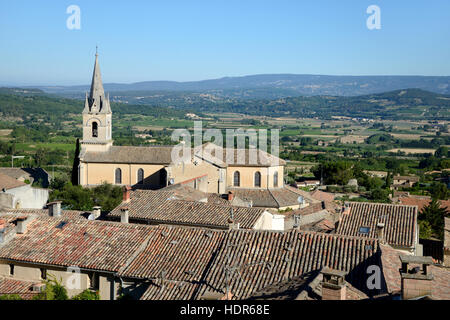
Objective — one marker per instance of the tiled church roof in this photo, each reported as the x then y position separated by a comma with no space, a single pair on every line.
138,155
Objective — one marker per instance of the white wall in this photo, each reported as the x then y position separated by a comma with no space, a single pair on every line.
26,197
269,221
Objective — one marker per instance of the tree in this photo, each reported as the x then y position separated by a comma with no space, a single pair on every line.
76,163
380,195
441,152
39,157
388,181
434,215
334,172
426,232
87,295
54,290
439,191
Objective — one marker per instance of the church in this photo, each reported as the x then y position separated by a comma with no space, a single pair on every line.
152,166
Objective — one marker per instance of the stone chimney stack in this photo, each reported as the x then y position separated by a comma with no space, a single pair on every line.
124,212
230,196
231,223
346,209
54,208
21,226
126,194
416,282
333,284
380,232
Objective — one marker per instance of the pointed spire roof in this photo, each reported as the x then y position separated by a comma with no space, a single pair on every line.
97,101
97,84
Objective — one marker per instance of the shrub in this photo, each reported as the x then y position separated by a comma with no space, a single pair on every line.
87,295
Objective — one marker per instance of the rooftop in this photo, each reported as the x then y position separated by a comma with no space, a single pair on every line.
22,288
273,198
125,154
400,222
166,207
97,245
7,182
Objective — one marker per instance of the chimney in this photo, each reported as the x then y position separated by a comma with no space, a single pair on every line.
124,215
333,284
231,224
126,194
346,209
54,208
380,232
230,196
416,282
21,226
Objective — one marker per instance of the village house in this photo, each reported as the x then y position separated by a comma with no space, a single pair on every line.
17,194
28,175
404,182
183,205
395,225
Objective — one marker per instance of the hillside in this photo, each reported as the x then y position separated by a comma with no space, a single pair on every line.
272,86
399,104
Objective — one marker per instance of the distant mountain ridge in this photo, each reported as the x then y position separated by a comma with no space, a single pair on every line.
279,85
412,104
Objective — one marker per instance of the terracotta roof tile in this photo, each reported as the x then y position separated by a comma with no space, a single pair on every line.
96,245
391,265
163,207
22,288
125,154
272,198
7,183
400,222
422,202
322,196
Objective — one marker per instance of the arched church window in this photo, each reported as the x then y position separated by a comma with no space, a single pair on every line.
257,179
275,179
94,129
237,179
118,176
140,176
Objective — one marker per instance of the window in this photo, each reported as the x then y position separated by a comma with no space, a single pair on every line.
43,274
94,280
257,179
237,179
364,230
118,176
140,176
11,269
61,225
94,129
275,179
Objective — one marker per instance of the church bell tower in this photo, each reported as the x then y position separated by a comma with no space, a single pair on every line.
97,116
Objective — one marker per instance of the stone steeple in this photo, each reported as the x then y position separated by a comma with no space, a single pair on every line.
97,102
97,116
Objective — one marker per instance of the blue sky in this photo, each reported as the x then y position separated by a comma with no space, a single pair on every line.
196,40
